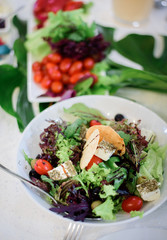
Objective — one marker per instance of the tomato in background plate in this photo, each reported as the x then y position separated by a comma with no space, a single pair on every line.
93,160
65,64
71,5
42,167
94,122
57,87
76,67
36,66
67,71
42,7
76,77
44,60
49,65
55,57
65,79
132,203
46,82
88,63
38,76
55,74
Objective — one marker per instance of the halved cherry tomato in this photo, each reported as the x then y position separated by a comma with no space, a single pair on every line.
75,77
57,87
132,203
46,82
36,66
42,167
88,63
55,57
94,122
76,67
73,5
65,65
93,160
38,77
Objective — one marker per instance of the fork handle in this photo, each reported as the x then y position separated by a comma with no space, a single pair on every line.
15,175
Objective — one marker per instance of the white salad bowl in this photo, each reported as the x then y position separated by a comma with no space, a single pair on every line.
109,106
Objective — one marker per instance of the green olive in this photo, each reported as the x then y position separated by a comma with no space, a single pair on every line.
33,163
95,204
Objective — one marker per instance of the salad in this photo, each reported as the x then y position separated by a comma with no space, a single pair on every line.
66,51
96,167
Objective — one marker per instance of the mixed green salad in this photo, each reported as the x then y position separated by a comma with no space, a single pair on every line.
96,167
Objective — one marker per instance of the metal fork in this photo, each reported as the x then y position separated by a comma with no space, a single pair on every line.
44,195
73,232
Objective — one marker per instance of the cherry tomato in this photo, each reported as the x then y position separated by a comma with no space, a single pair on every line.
65,79
36,66
86,72
46,82
73,5
76,67
55,74
57,87
65,65
42,167
132,203
44,60
44,70
55,57
94,122
49,65
75,77
93,160
38,77
88,63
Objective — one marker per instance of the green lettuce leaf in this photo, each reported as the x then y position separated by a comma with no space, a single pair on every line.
93,176
107,190
105,210
82,111
152,166
73,128
137,214
83,88
126,137
62,25
50,181
27,158
64,147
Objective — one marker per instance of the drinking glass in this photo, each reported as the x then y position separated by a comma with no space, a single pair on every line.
133,12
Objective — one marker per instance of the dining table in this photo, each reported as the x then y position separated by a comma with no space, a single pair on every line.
21,218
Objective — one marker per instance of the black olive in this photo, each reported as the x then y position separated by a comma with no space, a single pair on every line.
34,174
94,193
118,117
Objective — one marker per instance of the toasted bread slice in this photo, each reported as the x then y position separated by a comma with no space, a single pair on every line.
109,135
90,148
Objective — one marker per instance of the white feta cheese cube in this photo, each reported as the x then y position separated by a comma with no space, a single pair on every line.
63,171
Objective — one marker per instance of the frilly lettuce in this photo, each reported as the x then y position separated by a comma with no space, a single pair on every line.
105,210
152,166
108,190
59,26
